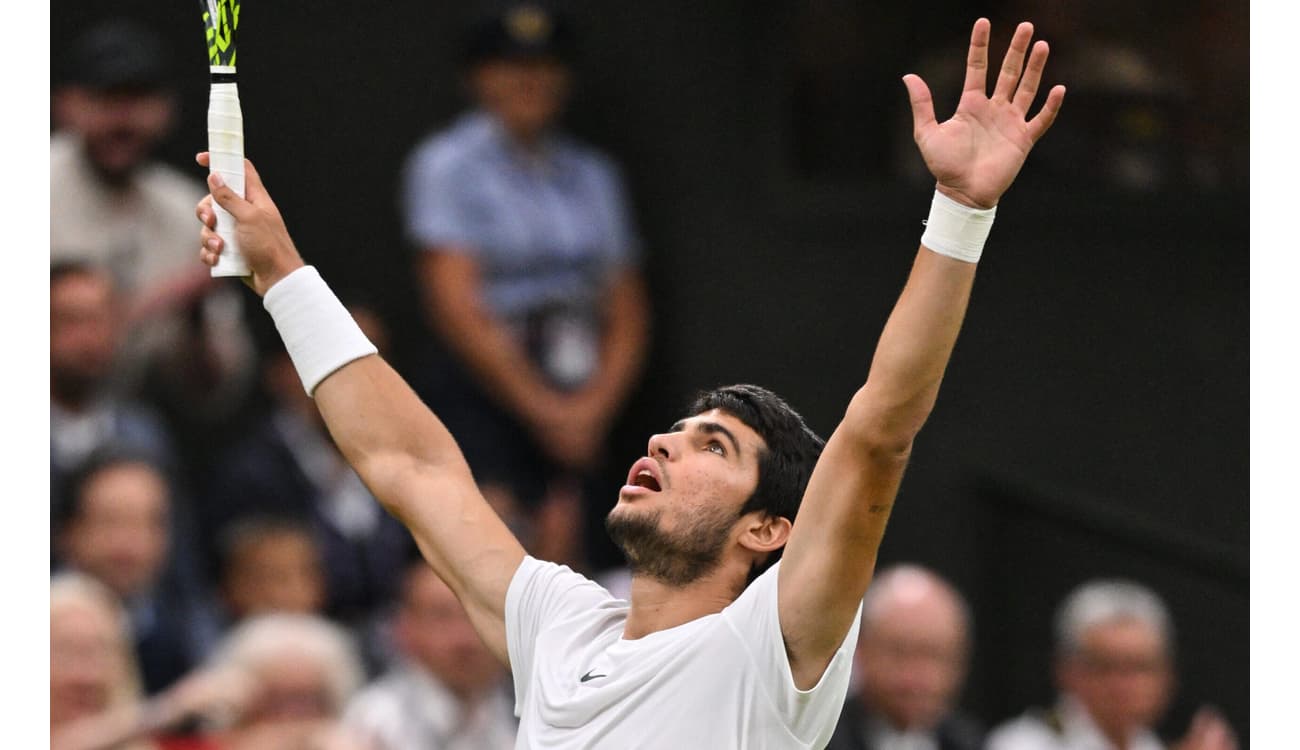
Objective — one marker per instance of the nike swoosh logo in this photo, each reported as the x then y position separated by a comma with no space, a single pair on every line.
590,676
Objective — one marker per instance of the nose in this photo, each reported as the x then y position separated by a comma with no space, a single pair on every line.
660,446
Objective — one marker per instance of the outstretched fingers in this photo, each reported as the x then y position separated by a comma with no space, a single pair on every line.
1028,88
1013,62
1047,115
977,59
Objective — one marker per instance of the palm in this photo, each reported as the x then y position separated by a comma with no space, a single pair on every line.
975,155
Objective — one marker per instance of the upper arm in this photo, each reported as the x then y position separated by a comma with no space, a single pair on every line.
829,559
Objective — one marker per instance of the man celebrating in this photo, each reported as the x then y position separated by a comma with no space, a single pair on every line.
719,645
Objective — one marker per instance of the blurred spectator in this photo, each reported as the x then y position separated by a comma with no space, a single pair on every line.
530,269
302,671
289,467
85,413
111,204
116,527
448,692
92,667
270,564
1115,674
911,661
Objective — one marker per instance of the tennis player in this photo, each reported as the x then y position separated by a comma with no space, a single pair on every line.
720,645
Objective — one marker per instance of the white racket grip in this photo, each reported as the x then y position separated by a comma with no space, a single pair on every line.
226,154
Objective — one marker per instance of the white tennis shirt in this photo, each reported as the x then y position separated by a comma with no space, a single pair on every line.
718,682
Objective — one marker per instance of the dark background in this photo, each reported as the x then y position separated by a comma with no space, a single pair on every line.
1094,418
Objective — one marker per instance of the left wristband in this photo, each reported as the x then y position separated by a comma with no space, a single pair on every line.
318,331
956,230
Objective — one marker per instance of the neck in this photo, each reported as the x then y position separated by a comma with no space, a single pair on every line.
657,606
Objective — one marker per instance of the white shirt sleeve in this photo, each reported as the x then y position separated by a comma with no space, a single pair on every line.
540,593
811,714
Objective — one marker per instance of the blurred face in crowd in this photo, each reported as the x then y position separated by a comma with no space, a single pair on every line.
527,96
83,334
119,534
1122,675
912,654
88,660
120,128
279,571
434,630
293,687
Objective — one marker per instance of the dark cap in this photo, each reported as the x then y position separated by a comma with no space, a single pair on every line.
117,55
522,31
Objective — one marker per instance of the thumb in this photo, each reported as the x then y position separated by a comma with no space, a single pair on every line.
922,103
228,199
254,190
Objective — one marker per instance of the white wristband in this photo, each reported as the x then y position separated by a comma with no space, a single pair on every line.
955,230
317,329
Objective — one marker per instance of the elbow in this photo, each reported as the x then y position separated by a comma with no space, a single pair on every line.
885,434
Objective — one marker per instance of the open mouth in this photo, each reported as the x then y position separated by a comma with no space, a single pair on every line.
644,479
645,474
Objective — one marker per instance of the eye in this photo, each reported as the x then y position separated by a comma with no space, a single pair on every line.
716,447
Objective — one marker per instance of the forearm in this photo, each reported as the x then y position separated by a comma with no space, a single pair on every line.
373,415
477,338
623,344
912,353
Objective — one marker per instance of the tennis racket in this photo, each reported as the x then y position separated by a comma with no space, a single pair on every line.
225,124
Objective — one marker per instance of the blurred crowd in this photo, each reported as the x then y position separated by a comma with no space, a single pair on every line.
221,578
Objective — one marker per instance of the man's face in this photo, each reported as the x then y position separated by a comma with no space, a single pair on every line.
680,508
1121,674
434,629
120,535
120,128
527,95
912,657
86,661
292,686
83,334
279,572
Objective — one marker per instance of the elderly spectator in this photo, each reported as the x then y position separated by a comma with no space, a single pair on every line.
448,691
93,673
910,663
1115,675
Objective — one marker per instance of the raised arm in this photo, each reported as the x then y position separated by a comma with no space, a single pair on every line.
974,157
398,447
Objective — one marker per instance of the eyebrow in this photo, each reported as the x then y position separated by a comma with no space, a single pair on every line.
709,428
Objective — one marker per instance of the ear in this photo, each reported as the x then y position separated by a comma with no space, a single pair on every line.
764,533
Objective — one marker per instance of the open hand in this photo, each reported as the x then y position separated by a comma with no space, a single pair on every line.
977,153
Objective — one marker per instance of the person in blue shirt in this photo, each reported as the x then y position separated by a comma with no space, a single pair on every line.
530,269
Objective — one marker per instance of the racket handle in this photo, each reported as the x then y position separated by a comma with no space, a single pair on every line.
226,153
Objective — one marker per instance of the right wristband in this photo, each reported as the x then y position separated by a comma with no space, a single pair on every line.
955,230
319,333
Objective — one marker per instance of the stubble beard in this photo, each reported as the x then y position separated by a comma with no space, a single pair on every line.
676,560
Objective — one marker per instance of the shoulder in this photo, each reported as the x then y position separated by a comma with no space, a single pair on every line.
64,151
557,580
591,160
456,148
1033,730
165,183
